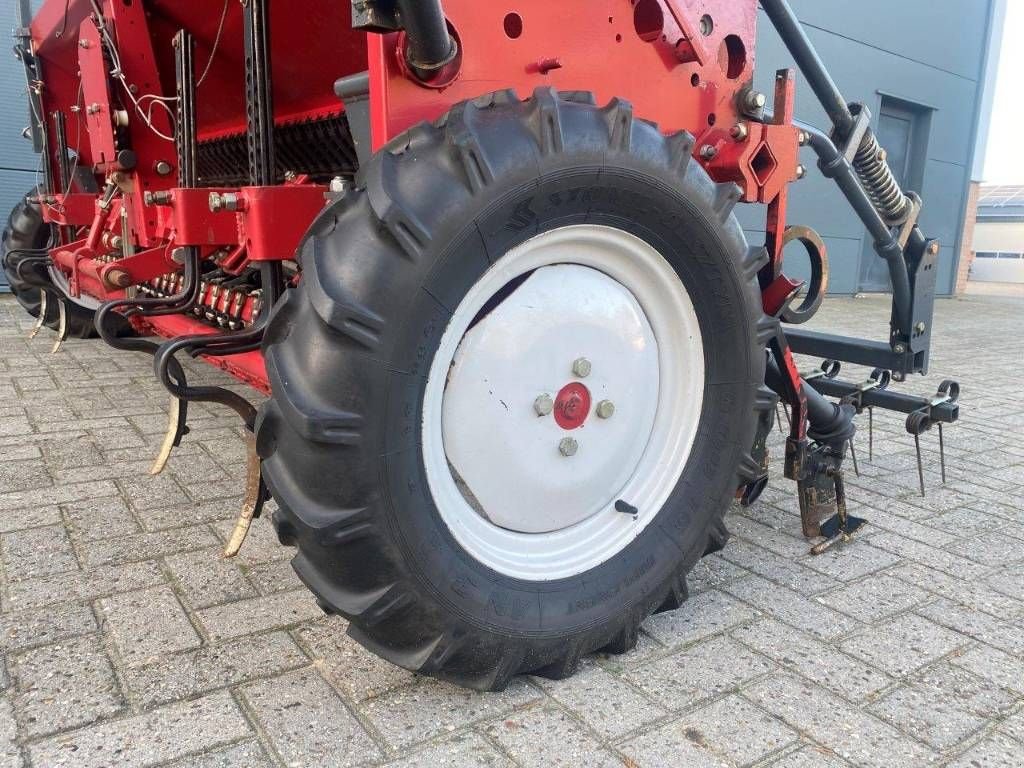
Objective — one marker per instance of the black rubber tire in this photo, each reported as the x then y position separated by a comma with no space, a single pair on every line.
26,230
348,352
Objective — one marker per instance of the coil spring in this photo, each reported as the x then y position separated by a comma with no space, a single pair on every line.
872,168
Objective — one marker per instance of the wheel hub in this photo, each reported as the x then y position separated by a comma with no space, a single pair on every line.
563,401
519,469
572,405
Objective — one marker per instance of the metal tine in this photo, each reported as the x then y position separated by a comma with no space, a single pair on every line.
62,326
778,417
853,454
173,421
42,315
942,454
871,433
920,467
253,500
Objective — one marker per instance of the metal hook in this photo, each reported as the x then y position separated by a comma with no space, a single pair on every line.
62,326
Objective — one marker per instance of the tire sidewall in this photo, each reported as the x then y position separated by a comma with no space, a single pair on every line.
705,256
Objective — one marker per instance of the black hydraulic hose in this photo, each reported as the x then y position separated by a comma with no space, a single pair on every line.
827,422
430,46
221,344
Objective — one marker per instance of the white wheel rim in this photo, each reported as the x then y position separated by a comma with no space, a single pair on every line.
587,291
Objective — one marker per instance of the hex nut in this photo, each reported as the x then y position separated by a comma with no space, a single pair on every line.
605,409
568,446
581,367
543,405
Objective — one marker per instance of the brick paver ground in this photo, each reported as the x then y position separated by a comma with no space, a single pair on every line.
127,641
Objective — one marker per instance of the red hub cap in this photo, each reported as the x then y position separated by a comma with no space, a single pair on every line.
572,405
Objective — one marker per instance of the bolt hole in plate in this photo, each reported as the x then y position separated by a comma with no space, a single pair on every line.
513,25
501,482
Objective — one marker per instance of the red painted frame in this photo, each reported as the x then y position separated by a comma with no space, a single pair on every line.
682,63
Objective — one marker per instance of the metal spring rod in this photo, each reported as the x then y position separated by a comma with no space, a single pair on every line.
879,182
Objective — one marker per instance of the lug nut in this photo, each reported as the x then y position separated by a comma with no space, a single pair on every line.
543,405
605,409
581,367
568,446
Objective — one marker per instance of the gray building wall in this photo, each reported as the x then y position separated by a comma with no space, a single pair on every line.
18,163
922,52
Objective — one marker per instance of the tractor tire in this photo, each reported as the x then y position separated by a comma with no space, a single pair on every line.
26,230
364,380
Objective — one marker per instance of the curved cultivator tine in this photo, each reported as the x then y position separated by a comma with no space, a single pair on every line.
42,315
62,326
255,495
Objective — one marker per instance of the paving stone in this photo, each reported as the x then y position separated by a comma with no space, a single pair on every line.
873,598
307,723
702,671
147,624
903,645
26,629
203,669
792,608
994,665
37,552
857,737
24,475
463,750
943,705
932,557
811,756
608,704
431,708
80,586
147,546
996,751
269,578
62,686
148,739
847,564
246,755
1013,726
93,519
769,565
10,754
814,659
545,734
703,615
353,670
992,549
714,571
207,579
976,624
59,494
258,614
728,732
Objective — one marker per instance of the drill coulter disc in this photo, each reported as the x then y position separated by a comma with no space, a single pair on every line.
506,425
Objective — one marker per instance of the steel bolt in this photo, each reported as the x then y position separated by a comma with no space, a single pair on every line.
739,131
163,168
543,405
216,202
803,138
581,367
899,349
801,171
708,152
605,409
920,327
755,101
568,446
933,247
